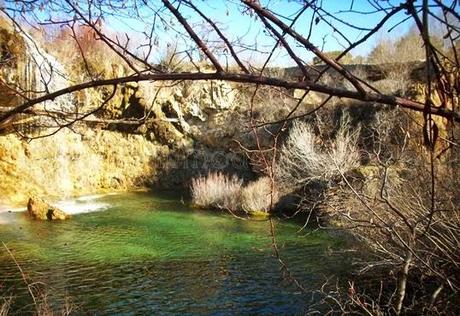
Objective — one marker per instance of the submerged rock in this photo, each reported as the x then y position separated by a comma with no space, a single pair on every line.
258,215
40,209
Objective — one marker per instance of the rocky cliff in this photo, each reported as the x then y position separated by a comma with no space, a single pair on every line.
146,135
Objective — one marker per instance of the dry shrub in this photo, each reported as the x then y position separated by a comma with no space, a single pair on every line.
396,56
5,306
264,104
305,157
217,190
259,196
389,210
221,191
409,47
411,235
87,58
409,238
87,55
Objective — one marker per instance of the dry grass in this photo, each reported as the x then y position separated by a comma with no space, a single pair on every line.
305,157
42,307
86,58
217,190
259,196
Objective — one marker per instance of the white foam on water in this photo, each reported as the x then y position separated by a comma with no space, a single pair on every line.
84,204
81,206
93,197
11,209
6,216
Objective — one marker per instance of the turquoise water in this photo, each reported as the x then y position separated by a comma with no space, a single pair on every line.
149,254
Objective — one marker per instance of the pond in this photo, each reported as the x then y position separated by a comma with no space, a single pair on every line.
142,253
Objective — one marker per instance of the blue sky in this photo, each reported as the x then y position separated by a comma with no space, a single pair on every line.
247,30
244,28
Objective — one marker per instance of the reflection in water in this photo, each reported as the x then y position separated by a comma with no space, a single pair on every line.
147,254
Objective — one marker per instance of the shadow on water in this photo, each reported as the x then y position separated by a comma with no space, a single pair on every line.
152,254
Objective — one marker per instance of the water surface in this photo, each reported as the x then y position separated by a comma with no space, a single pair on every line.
150,254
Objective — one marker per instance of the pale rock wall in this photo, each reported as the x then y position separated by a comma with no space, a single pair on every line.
69,164
206,112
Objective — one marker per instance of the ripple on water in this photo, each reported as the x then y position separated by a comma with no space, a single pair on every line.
149,255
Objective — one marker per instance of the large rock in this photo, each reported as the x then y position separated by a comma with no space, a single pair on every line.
39,209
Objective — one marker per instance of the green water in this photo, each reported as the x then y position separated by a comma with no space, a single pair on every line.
147,254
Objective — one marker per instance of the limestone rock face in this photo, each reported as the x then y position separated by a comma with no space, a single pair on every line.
39,209
199,111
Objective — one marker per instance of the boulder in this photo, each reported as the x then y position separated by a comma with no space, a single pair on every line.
40,209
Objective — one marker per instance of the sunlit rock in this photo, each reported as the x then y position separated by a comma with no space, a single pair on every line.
40,209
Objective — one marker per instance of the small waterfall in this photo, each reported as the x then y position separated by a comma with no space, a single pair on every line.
45,74
48,73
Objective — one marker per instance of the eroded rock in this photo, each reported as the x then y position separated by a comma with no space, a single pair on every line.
40,209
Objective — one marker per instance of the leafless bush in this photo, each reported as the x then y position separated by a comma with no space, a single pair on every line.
394,58
410,236
387,138
389,209
305,157
217,190
259,196
411,233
